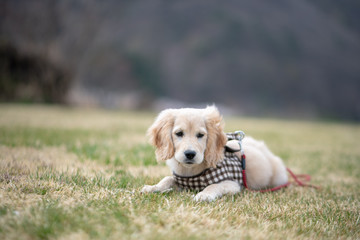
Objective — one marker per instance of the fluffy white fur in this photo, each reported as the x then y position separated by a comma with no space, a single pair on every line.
176,132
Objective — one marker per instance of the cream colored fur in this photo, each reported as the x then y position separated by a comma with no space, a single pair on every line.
176,131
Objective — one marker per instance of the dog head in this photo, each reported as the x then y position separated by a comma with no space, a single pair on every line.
188,135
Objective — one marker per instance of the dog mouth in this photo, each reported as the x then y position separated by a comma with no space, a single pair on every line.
189,162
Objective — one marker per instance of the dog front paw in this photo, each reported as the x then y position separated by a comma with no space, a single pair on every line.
203,196
149,189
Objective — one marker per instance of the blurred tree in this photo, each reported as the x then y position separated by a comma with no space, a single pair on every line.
30,78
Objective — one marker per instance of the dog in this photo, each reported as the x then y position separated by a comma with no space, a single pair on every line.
192,142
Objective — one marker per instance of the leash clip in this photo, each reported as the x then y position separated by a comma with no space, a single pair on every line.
239,135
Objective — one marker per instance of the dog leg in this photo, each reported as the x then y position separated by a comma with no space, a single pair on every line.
211,192
165,184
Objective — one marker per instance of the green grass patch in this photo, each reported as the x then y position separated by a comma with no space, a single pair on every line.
49,219
119,180
101,146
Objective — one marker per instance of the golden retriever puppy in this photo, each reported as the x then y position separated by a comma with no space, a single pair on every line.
192,143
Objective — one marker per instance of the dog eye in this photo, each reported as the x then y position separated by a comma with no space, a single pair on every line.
179,134
199,135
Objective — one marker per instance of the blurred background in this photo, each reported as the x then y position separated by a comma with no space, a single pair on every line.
286,58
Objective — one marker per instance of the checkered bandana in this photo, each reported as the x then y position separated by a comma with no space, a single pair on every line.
230,168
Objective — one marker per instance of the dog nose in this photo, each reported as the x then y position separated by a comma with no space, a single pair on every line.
189,154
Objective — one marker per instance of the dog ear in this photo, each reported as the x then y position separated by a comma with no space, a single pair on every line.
216,137
160,135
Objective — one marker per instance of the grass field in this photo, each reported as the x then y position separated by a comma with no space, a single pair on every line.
76,174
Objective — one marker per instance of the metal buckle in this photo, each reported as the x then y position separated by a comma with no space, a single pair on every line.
239,135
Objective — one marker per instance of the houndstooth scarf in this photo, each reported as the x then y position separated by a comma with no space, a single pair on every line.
230,168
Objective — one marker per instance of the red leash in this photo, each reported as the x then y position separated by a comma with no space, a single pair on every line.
299,179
